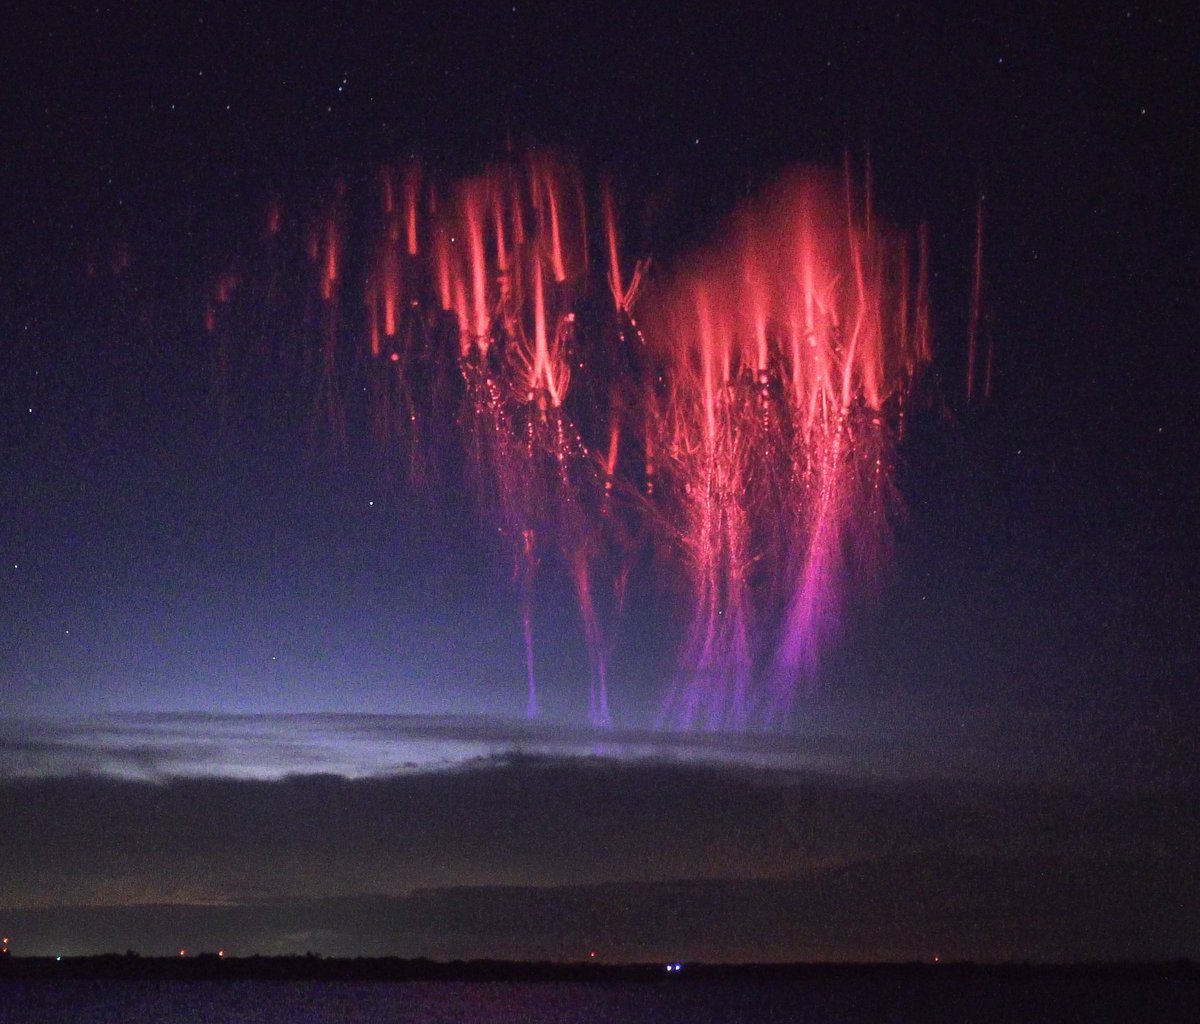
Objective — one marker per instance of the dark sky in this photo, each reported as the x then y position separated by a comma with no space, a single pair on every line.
256,692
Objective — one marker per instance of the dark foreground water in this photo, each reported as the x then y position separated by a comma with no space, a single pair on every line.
668,1001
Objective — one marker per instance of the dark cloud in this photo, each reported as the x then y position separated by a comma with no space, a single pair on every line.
547,856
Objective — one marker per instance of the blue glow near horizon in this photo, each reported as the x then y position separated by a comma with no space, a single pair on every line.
154,746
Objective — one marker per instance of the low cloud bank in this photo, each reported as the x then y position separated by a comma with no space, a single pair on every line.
538,856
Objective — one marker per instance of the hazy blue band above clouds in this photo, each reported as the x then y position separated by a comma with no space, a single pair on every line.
267,746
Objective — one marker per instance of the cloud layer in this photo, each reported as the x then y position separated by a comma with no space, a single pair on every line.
160,746
539,856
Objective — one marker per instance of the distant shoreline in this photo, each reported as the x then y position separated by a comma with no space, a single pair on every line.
211,967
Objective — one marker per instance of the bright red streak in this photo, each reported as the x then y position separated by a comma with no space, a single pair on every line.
332,246
387,197
473,206
614,260
412,185
442,258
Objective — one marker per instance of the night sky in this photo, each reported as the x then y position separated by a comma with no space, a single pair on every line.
260,693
